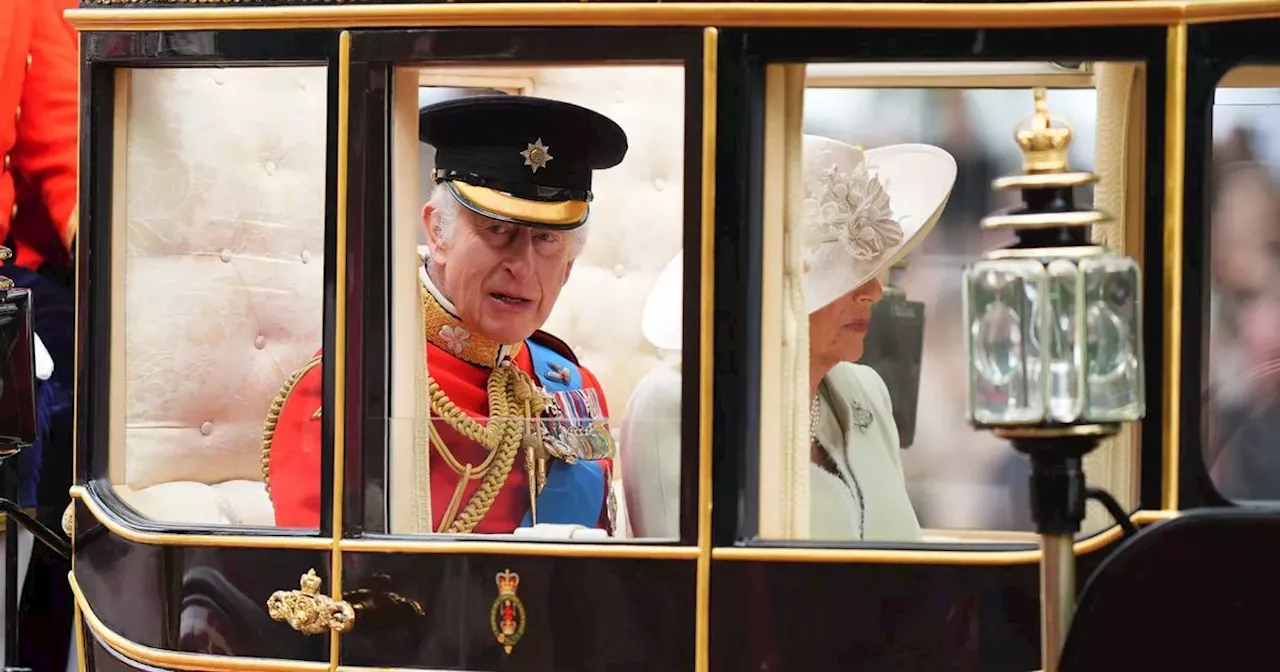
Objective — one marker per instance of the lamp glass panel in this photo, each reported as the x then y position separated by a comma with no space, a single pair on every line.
1114,339
1004,358
1065,355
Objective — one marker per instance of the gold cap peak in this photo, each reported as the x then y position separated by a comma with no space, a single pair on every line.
1043,139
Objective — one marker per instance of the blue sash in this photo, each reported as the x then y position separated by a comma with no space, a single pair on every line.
574,494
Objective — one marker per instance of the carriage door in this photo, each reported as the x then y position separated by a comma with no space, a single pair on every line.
872,527
493,516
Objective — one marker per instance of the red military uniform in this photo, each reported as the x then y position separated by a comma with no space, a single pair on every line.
39,118
294,458
508,160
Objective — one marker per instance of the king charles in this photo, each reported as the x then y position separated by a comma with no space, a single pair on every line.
503,227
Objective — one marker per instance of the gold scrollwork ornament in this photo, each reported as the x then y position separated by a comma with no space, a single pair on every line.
507,617
309,612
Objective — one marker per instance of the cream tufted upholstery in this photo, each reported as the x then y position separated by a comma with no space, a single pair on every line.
637,220
220,298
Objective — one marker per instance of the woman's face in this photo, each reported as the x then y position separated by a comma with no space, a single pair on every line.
837,330
1246,234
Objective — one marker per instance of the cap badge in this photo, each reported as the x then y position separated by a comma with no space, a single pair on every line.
536,155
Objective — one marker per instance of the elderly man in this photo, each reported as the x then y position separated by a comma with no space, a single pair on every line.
503,229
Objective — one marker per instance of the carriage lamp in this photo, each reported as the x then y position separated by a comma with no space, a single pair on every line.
1054,348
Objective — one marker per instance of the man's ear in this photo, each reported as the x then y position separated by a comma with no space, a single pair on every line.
435,245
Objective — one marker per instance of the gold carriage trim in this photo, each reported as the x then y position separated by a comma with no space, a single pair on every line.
273,417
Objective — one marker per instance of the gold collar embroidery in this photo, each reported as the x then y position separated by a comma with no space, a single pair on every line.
447,332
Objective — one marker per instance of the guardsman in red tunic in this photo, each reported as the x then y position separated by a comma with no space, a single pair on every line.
503,227
39,117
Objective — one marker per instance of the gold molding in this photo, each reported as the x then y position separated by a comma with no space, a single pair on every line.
1064,81
228,540
1209,11
928,557
555,549
737,14
177,660
78,624
706,349
340,334
1174,177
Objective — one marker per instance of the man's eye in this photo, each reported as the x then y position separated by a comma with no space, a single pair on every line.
497,229
548,237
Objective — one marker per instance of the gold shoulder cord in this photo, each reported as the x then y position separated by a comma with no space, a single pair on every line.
273,417
511,391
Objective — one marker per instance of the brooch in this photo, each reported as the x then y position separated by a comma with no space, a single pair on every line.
862,418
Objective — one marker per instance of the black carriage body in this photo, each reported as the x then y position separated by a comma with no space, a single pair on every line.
717,598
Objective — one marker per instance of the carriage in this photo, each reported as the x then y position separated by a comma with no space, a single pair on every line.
252,191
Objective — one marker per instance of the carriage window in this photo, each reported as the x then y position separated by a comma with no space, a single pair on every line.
536,215
1242,385
883,179
218,261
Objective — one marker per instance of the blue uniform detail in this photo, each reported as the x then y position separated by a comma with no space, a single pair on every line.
549,364
574,493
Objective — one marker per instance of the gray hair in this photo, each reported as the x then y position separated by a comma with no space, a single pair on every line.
447,211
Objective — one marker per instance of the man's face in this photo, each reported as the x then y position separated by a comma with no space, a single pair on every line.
503,278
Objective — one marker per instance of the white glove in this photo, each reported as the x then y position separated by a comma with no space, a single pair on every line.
560,531
44,361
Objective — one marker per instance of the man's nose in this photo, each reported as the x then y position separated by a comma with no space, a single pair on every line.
519,257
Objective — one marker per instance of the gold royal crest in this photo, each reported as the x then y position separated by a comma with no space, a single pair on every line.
507,616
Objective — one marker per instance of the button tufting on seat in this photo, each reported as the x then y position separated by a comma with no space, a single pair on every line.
306,256
260,342
206,428
659,183
619,270
270,167
225,255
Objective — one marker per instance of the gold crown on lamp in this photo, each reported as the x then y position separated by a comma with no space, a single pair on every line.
507,582
1044,139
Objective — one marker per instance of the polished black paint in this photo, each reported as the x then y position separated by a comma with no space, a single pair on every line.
1193,593
102,658
194,599
584,614
797,617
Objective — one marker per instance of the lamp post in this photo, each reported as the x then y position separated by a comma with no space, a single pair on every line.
1054,348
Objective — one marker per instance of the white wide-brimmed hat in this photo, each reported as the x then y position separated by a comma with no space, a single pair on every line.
862,212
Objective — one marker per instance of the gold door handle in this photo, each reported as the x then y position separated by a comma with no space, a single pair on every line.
309,612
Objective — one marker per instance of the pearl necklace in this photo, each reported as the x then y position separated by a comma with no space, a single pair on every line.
815,410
